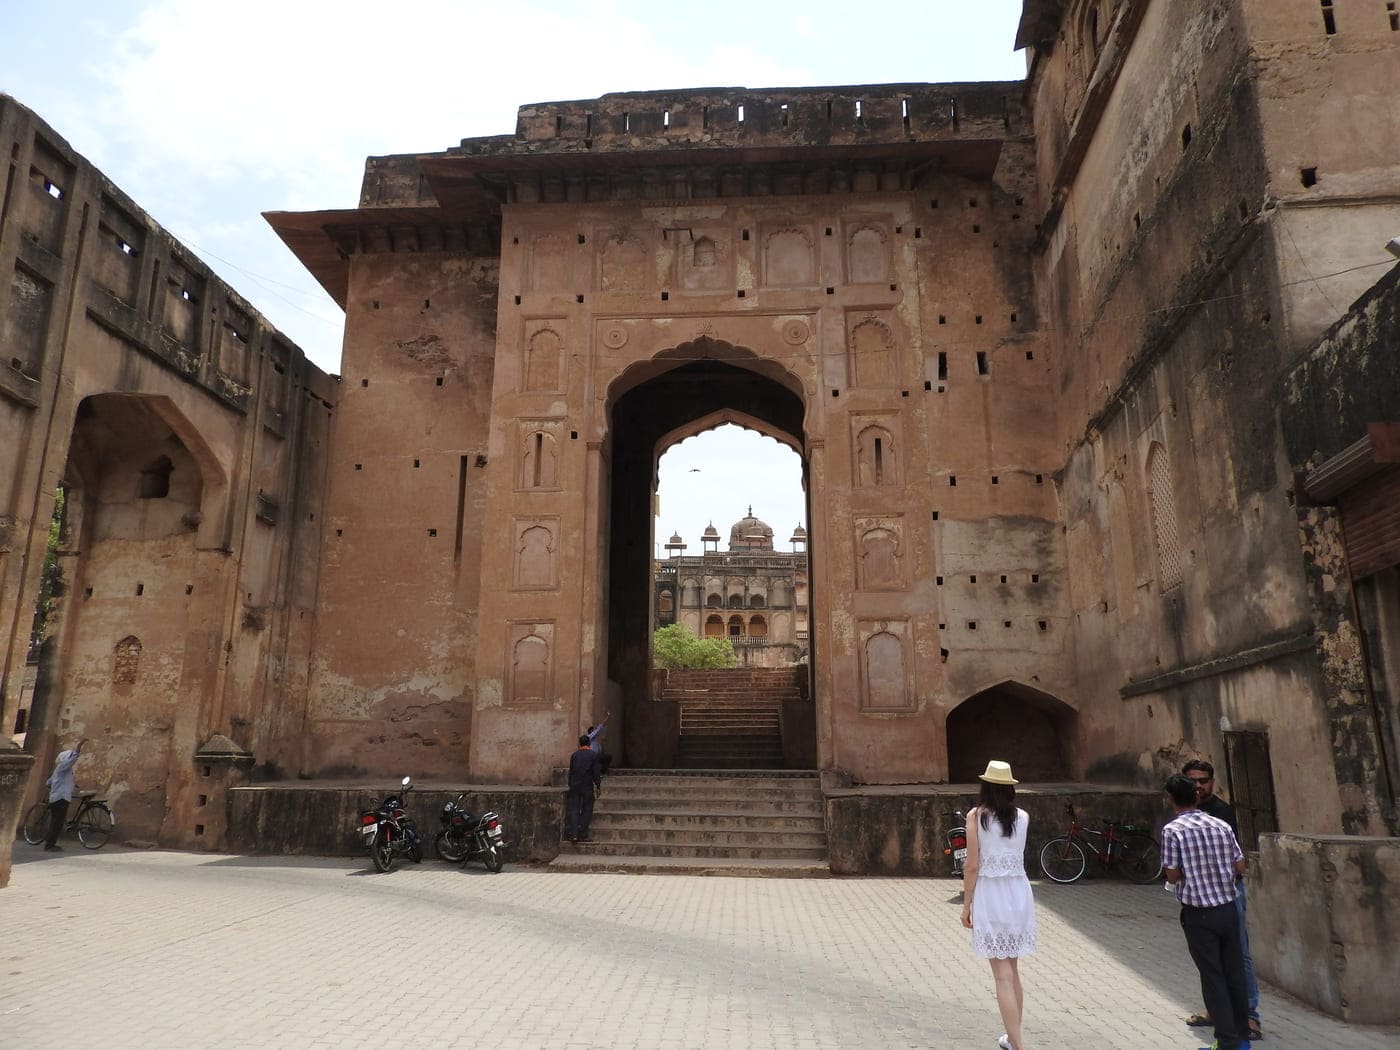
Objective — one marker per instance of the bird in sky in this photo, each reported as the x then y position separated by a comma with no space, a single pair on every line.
695,470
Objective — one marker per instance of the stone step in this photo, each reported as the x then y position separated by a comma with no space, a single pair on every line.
716,820
772,807
645,839
752,851
709,866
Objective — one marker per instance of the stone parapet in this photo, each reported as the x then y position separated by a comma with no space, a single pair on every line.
1324,922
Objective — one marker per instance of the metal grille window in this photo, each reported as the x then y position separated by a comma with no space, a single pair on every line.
1159,490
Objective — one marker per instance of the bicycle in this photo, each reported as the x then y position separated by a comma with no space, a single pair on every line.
93,821
1065,859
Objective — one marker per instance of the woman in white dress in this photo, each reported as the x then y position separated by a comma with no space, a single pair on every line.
997,903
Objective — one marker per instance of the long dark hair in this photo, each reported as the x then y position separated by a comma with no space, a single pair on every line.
998,800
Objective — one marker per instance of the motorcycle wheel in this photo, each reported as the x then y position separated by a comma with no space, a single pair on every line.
415,850
381,851
493,859
454,852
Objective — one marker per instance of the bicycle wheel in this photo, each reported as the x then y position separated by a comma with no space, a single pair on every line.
1141,859
1063,859
36,823
95,826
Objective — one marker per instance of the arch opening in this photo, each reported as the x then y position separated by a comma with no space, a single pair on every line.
1014,723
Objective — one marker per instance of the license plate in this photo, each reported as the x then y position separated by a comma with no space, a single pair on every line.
960,854
368,829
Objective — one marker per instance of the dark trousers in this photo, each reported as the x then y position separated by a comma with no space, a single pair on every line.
1213,938
58,816
579,813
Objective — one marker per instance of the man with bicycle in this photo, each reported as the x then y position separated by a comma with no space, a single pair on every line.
61,788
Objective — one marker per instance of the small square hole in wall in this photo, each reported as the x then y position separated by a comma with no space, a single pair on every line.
1013,318
140,589
894,288
904,393
439,380
1035,577
828,231
432,532
374,304
836,393
831,291
582,239
943,656
87,592
206,771
1006,623
579,297
415,464
573,435
364,382
340,532
1030,355
1003,579
189,588
204,800
744,236
899,229
928,384
918,232
972,625
1308,177
935,515
996,480
938,581
972,578
976,228
1044,625
978,318
517,300
199,829
942,319
952,481
933,203
942,626
742,293
665,297
1186,136
1040,479
515,240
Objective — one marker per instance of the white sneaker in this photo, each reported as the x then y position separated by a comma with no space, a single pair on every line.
1004,1041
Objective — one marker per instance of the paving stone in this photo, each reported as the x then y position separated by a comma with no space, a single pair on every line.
191,950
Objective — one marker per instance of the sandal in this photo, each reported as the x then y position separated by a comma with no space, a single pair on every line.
1255,1032
1199,1021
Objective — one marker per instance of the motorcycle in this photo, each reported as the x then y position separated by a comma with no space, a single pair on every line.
957,840
388,831
464,835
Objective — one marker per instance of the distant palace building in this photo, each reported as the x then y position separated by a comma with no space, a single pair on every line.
752,594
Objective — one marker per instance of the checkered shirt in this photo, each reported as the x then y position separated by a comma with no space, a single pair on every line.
1205,851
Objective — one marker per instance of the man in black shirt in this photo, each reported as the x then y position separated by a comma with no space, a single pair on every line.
585,773
1202,774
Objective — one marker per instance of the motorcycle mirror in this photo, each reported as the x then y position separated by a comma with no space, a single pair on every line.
407,781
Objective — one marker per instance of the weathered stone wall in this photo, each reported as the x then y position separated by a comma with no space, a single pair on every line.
188,434
1172,309
1323,923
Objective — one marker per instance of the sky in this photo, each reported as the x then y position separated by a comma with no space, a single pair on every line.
209,113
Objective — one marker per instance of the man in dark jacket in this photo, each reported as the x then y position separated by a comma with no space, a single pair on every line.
585,773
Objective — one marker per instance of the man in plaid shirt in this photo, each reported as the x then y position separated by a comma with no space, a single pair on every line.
1202,858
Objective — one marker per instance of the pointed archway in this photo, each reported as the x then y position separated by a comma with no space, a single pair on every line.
679,393
1015,723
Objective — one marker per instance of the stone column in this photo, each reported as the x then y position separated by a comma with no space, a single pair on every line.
14,777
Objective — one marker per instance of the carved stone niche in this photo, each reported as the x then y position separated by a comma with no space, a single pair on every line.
535,554
871,350
882,555
886,649
530,663
621,257
705,260
789,256
539,448
876,450
867,251
551,265
542,356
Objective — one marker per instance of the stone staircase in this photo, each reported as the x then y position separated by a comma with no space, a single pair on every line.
730,718
710,822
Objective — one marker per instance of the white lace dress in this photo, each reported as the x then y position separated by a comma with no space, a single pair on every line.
1003,911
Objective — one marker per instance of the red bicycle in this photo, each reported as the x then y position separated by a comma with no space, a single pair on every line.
1125,846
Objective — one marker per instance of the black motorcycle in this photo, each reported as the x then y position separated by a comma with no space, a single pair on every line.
957,841
464,835
388,831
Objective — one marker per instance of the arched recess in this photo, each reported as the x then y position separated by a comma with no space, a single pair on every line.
651,405
1014,723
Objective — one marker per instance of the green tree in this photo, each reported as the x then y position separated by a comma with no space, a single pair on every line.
674,648
51,580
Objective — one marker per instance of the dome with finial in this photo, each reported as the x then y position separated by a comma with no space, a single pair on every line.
749,533
676,538
799,534
710,533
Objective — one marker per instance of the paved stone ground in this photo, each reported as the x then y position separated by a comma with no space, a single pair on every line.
124,948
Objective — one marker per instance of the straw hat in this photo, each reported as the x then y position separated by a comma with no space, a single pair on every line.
998,773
